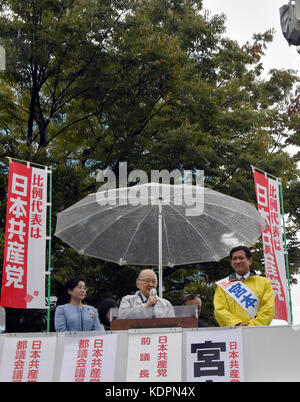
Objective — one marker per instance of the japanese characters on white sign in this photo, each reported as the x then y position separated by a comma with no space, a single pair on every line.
23,277
215,356
89,358
28,359
154,357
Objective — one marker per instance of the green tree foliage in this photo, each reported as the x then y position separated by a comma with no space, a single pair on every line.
155,83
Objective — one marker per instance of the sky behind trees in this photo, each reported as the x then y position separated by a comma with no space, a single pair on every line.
242,20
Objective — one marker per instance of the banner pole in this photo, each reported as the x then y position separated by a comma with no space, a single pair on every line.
49,248
286,252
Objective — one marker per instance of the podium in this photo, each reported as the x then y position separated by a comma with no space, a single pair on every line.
147,317
135,323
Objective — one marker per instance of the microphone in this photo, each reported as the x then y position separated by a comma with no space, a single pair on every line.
153,292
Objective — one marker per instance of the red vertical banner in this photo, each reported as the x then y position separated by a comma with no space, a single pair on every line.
14,276
23,277
268,202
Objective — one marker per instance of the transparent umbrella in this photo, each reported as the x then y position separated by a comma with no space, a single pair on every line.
158,224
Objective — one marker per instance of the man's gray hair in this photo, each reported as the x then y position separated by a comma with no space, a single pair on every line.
143,270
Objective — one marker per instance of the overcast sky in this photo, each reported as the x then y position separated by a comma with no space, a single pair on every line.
244,18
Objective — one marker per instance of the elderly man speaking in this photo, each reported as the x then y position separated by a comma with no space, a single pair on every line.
146,297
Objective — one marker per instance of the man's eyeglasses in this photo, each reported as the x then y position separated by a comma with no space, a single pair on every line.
148,281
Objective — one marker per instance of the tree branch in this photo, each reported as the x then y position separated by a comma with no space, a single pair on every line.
69,125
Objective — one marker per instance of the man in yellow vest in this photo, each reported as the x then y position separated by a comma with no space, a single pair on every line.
244,298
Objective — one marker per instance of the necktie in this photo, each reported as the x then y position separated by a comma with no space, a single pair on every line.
242,279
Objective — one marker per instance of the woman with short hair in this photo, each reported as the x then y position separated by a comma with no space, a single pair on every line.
74,315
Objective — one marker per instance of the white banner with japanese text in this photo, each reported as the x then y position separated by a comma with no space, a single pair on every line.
23,277
154,357
214,356
28,359
268,203
90,358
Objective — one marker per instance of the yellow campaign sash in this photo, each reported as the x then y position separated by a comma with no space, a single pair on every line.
241,294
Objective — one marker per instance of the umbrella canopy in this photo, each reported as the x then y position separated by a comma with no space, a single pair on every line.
156,224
